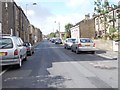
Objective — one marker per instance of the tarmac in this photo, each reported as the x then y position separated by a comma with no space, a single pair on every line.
113,57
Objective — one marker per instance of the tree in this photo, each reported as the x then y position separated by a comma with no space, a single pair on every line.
51,35
102,7
67,30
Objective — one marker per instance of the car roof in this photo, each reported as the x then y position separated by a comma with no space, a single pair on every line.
9,36
71,38
84,38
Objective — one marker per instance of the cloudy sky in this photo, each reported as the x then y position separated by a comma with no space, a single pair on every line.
47,12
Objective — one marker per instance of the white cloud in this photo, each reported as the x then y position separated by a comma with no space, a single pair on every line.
42,17
76,3
116,0
49,25
30,12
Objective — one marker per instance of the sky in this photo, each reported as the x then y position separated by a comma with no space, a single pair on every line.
49,14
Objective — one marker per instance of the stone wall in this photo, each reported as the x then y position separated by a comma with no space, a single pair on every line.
104,44
87,28
0,17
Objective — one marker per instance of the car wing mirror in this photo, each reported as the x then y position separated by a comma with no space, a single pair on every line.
24,44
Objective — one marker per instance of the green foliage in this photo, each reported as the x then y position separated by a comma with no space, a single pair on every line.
102,8
113,34
68,26
51,35
67,29
112,30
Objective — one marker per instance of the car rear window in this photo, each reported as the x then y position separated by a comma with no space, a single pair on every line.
71,40
6,43
86,41
27,44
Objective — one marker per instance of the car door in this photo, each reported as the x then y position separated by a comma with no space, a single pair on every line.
23,48
19,47
75,44
65,44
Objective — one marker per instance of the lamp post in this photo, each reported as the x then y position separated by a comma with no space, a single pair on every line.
58,28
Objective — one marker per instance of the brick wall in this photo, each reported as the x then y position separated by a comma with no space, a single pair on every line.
0,11
8,18
0,17
87,28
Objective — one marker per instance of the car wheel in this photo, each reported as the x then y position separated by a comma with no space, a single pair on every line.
93,52
33,52
65,47
25,59
76,51
20,64
71,49
30,53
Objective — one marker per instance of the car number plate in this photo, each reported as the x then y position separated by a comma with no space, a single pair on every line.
87,45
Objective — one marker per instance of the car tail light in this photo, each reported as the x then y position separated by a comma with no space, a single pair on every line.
27,49
16,52
80,45
94,45
6,53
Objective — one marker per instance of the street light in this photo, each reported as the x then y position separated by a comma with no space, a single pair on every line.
58,28
27,7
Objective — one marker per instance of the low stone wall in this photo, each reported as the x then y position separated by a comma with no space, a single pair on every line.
104,44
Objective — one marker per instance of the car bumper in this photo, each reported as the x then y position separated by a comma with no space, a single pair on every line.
28,52
9,62
87,49
69,46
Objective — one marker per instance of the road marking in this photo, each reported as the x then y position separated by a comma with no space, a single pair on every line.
3,72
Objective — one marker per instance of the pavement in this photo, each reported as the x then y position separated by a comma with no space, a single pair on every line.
112,63
109,54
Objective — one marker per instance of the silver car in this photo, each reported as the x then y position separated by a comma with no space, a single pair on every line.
29,47
68,43
12,51
83,44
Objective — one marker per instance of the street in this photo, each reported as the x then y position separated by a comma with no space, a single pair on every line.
52,66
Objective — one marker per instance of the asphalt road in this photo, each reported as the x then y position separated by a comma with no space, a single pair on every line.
52,66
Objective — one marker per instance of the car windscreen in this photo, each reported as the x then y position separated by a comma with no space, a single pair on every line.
26,44
6,43
86,41
71,40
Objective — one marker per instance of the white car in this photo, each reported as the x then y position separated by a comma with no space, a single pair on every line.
68,43
12,51
83,44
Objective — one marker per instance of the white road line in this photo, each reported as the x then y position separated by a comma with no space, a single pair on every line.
3,72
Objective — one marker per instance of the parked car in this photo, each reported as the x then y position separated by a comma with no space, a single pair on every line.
58,41
29,48
83,44
53,40
68,43
12,51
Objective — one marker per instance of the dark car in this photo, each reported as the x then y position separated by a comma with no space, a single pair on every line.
58,41
53,40
29,48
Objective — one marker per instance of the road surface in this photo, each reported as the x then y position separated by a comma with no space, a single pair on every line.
52,66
